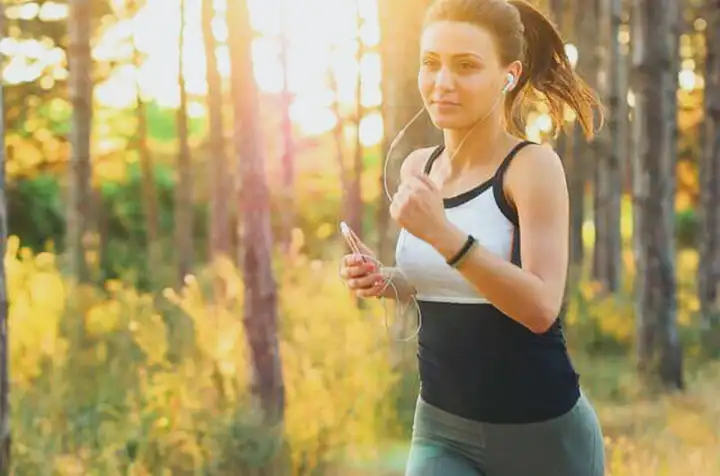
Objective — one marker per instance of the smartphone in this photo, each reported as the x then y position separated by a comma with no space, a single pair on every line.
350,239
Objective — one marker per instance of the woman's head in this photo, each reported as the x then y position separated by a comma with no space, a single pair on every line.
470,49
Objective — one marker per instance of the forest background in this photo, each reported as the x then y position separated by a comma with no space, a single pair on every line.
160,155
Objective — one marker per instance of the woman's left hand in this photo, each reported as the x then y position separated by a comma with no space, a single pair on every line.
418,208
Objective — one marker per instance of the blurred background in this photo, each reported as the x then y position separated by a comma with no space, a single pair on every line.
174,173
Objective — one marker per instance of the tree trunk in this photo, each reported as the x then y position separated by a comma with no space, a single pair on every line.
183,190
152,219
557,9
584,34
261,316
288,146
655,47
149,192
601,177
4,307
81,94
354,203
608,241
400,52
339,141
220,184
709,265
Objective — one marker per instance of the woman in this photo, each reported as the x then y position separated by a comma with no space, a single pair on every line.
484,247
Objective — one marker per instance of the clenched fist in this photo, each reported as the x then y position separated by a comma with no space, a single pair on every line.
418,207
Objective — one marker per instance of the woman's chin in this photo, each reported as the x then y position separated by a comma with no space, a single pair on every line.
443,121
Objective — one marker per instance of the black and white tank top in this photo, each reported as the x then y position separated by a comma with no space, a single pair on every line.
475,361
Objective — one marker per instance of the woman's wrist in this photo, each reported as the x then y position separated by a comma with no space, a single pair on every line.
448,241
395,285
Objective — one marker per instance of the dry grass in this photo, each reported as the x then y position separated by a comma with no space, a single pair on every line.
644,435
155,386
669,435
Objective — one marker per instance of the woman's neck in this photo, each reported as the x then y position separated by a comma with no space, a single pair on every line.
467,148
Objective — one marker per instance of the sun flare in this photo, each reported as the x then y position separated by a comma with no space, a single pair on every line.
322,57
318,46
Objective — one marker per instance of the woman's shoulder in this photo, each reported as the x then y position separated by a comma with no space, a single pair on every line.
535,170
415,161
535,161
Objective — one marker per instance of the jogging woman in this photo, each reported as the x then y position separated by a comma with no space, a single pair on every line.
484,249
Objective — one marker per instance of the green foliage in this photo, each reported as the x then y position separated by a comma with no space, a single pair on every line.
36,211
101,385
162,124
687,224
37,216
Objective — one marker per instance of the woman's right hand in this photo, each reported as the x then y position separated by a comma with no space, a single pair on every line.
362,275
360,271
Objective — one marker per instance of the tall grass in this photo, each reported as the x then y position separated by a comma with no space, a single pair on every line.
111,381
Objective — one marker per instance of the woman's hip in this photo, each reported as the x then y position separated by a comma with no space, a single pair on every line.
571,444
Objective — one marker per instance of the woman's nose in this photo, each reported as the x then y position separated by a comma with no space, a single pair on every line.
444,79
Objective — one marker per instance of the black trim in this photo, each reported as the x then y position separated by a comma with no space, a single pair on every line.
466,196
498,189
433,157
515,255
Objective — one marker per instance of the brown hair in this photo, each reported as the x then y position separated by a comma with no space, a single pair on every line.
523,33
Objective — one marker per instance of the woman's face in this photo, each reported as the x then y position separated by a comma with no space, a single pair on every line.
461,76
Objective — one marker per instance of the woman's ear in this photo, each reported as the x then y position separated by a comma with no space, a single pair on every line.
513,76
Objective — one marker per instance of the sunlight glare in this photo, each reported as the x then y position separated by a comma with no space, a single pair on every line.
53,11
322,40
220,29
544,123
196,109
27,11
371,129
312,118
572,53
687,79
533,132
120,90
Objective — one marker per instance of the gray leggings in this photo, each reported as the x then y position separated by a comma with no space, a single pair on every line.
447,445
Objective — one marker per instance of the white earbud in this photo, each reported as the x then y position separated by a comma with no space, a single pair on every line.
510,83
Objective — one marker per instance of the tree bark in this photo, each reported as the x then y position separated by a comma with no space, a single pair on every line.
183,190
220,184
608,244
584,34
709,264
355,205
254,200
80,88
288,145
149,191
5,436
655,47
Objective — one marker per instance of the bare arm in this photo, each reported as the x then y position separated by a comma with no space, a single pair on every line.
532,295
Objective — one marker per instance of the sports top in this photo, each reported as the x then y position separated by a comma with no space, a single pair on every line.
475,361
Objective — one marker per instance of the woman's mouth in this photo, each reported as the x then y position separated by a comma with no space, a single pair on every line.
445,103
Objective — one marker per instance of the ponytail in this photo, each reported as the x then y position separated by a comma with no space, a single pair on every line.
548,76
